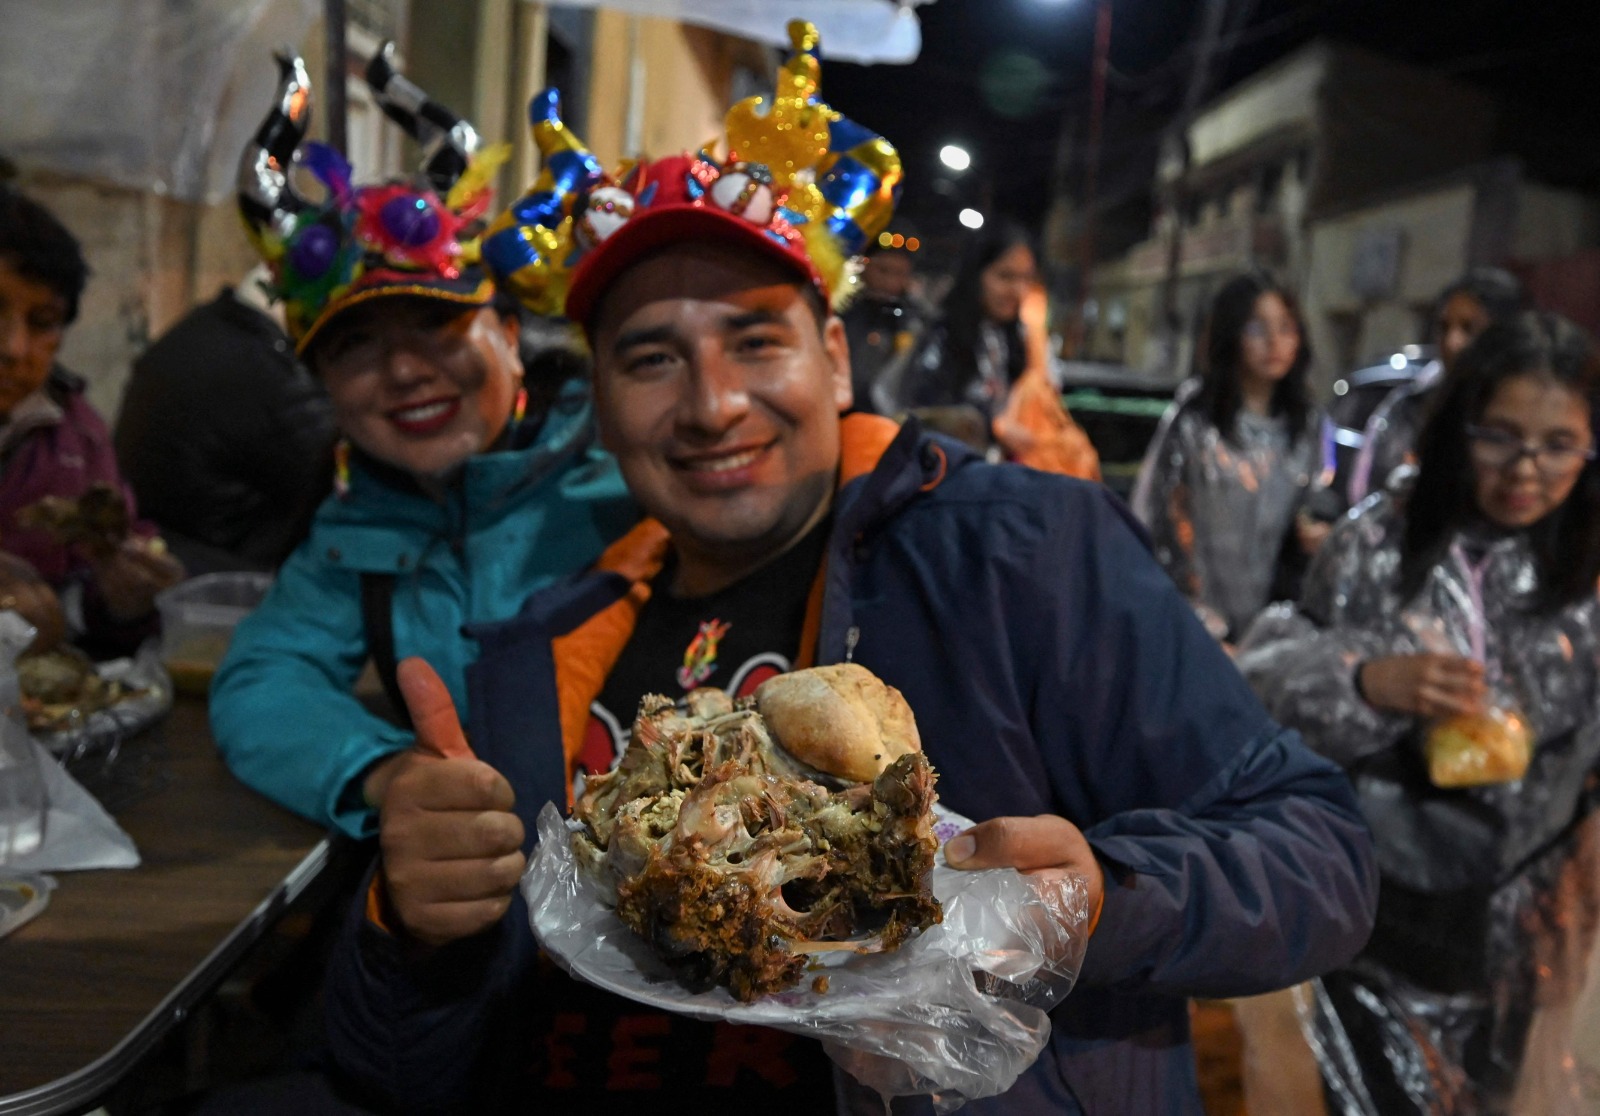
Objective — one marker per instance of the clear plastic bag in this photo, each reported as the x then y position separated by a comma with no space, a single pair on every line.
957,1013
24,801
1491,746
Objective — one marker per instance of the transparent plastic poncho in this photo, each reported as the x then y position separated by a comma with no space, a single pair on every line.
957,1013
1220,510
1471,995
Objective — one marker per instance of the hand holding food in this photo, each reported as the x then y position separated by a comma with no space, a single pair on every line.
1046,846
1427,685
452,848
740,838
24,592
1469,745
131,575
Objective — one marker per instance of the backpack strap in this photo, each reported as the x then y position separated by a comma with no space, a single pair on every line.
377,618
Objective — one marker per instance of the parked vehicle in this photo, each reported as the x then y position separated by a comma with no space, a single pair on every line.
1119,410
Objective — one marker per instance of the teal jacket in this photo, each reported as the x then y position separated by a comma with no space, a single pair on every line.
282,708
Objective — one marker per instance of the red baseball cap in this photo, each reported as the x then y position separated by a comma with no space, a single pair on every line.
683,199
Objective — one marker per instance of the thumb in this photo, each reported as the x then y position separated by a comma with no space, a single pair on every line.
1024,843
433,711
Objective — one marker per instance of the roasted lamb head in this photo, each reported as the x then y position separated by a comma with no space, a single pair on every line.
737,858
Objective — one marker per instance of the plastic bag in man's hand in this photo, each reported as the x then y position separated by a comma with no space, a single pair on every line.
958,1012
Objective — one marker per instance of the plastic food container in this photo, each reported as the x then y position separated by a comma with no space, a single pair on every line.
197,621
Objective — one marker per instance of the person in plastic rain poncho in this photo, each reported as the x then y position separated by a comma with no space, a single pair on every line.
1463,310
1065,693
1443,632
1227,481
451,504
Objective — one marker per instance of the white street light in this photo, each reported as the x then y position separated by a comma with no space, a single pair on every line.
956,158
971,218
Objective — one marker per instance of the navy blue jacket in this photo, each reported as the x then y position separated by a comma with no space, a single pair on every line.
1053,668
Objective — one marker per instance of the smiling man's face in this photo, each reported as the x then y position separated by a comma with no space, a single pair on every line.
720,396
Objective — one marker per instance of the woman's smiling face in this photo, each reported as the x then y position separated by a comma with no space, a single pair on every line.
1546,426
420,384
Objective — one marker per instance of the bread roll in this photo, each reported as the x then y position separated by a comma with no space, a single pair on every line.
840,719
1477,750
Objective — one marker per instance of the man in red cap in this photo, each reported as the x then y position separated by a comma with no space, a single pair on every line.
1065,694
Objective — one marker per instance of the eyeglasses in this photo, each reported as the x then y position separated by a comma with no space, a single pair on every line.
1500,449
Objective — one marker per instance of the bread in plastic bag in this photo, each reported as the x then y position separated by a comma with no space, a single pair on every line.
957,1013
1479,749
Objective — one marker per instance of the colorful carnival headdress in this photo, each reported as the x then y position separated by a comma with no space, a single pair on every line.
364,242
801,183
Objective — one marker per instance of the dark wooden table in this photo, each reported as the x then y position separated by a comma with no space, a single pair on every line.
120,957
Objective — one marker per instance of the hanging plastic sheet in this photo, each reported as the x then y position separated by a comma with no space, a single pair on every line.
155,95
862,31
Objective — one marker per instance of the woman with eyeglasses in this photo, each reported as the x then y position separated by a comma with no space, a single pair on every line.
1235,460
1446,651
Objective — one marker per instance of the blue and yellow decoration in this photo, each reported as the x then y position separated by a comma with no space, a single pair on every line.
796,168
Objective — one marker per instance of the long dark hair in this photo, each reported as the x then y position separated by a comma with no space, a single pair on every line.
1221,359
1498,291
1566,543
963,306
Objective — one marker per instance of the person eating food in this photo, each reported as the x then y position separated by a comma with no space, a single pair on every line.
1065,693
56,453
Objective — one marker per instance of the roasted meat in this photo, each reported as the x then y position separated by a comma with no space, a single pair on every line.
97,521
736,861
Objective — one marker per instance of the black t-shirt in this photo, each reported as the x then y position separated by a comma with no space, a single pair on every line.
734,639
599,1053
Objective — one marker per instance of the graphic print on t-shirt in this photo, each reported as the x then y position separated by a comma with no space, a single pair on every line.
700,657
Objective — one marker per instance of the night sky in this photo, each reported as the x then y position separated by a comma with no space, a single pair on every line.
1007,79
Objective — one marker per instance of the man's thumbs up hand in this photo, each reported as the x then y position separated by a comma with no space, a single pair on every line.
452,848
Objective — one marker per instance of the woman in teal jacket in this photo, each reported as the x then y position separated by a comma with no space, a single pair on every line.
451,504
282,707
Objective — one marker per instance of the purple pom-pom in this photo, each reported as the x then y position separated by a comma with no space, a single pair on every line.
314,251
410,220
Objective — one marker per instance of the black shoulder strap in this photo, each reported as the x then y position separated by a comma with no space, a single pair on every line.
377,617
